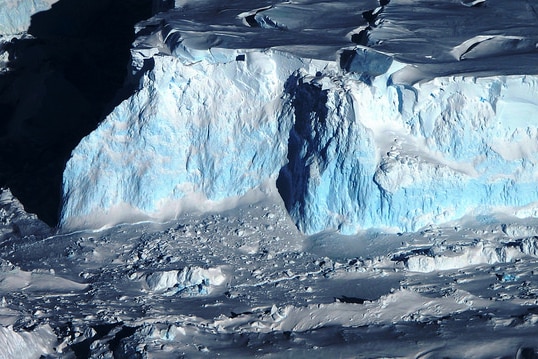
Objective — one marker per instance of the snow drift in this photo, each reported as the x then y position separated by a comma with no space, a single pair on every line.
353,141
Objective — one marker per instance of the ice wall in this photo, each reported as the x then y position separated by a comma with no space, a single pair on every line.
351,154
208,130
399,156
353,142
332,157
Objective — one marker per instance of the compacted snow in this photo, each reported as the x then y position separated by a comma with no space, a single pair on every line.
296,179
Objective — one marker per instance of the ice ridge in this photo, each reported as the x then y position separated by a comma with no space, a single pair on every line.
349,142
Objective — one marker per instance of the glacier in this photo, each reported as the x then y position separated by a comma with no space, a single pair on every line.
352,137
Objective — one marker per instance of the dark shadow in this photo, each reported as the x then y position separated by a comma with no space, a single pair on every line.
310,112
352,300
61,84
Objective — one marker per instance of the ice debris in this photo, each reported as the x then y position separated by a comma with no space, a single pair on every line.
456,256
188,282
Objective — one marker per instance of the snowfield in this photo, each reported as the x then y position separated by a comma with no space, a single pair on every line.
351,179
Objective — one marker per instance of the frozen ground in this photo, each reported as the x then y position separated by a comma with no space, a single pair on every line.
246,283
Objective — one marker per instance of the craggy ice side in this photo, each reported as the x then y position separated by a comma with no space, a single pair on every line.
348,141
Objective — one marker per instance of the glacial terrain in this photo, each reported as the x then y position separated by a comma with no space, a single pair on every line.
353,179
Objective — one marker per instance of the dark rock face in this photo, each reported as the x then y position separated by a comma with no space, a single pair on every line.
61,83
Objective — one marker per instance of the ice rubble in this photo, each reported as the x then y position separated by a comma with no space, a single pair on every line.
351,142
188,281
447,257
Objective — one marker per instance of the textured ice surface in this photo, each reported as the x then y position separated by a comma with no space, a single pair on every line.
14,220
355,141
15,15
185,282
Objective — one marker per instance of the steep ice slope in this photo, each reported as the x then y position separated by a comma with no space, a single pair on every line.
15,14
355,139
404,157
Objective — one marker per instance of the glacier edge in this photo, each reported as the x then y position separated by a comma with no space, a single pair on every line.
349,149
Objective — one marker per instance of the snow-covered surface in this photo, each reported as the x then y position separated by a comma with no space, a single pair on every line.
15,15
445,37
233,99
287,118
245,283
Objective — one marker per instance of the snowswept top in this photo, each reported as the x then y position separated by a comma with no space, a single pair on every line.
444,38
493,37
307,28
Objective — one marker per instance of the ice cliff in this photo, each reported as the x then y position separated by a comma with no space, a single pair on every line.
352,137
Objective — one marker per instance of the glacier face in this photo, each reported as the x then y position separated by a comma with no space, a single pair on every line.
351,142
210,129
363,156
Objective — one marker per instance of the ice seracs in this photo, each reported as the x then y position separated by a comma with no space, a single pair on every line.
185,282
14,218
352,142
